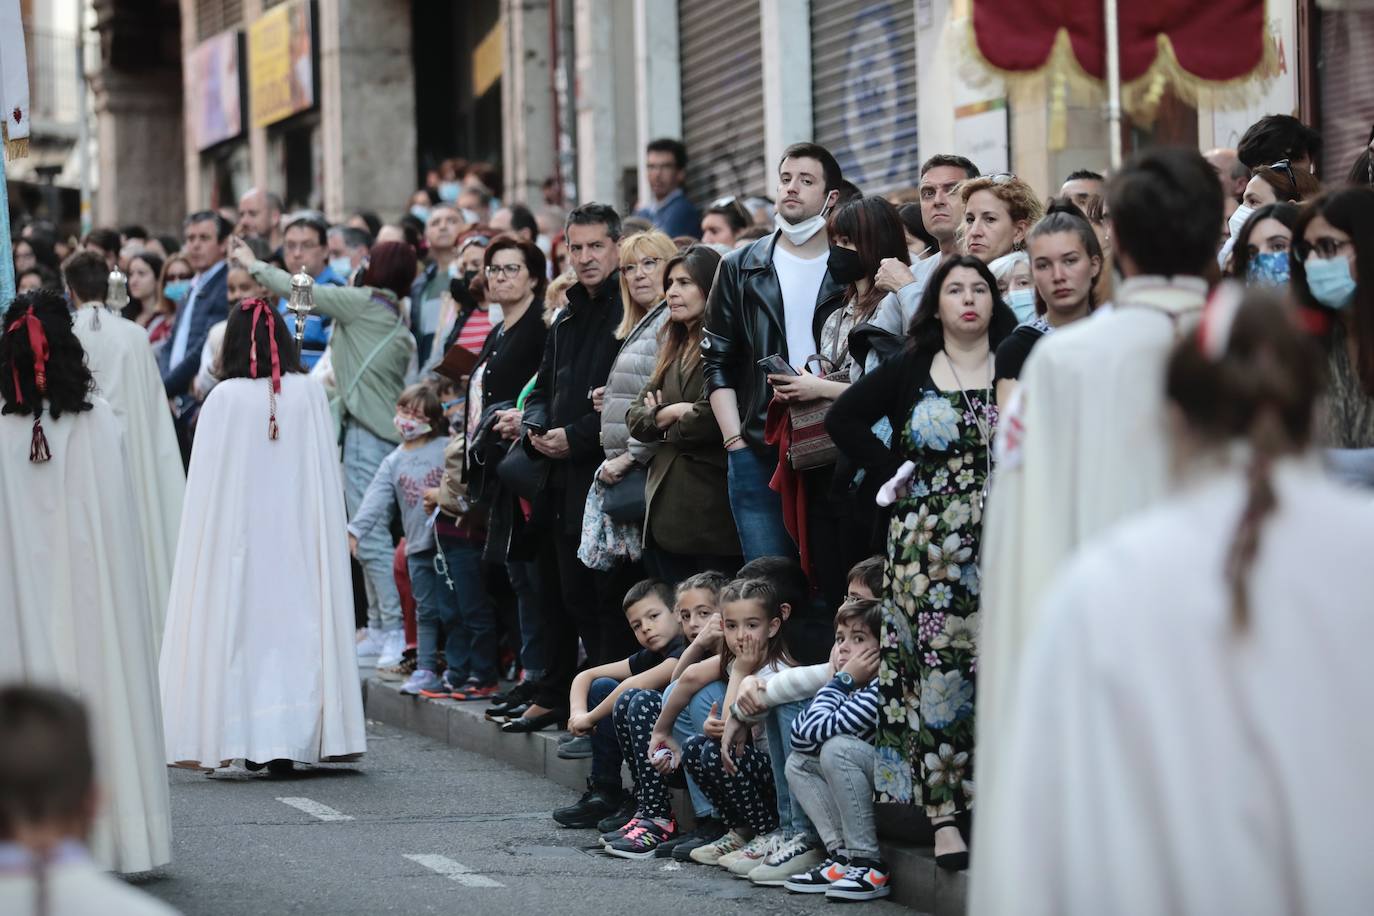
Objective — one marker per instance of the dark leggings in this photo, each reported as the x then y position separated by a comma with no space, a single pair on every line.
745,799
635,714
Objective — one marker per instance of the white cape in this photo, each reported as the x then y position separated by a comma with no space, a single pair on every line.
126,375
259,660
1087,446
1163,761
72,562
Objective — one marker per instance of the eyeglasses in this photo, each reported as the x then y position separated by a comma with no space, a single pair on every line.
1001,178
724,201
1325,247
646,267
511,271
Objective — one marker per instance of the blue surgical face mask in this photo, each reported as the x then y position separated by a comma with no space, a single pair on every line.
1330,282
420,212
448,191
341,266
1022,302
1270,269
177,290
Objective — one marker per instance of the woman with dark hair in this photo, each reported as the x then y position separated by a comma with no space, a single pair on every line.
919,242
1100,796
516,281
258,665
1272,184
688,527
1065,261
1259,256
34,251
370,350
144,270
939,395
71,556
1333,274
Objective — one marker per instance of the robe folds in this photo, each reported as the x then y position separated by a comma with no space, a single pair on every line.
75,615
1166,759
1084,444
126,374
258,660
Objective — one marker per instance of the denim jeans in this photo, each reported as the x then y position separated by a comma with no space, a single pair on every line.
431,611
362,453
606,757
471,622
778,726
692,721
835,788
757,508
524,581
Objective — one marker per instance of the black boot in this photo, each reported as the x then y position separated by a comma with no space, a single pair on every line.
597,802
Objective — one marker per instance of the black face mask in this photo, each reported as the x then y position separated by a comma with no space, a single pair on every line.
460,289
845,265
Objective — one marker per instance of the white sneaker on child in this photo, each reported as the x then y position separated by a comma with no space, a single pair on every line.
370,643
752,856
393,649
422,679
711,853
795,856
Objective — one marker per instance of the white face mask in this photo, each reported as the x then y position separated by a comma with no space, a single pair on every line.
801,233
1238,219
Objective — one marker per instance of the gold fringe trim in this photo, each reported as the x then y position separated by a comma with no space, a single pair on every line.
14,149
1141,96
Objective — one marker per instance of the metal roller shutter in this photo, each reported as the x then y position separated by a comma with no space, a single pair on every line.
863,89
1346,87
721,50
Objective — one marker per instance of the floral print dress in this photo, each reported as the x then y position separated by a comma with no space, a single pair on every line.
929,646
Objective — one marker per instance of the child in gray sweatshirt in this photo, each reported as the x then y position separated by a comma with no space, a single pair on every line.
416,465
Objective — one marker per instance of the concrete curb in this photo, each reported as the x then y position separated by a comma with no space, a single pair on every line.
917,882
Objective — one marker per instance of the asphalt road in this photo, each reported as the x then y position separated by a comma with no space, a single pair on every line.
420,827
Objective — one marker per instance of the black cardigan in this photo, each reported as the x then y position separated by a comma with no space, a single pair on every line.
891,390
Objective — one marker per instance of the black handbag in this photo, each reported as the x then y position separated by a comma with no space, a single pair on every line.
523,474
625,502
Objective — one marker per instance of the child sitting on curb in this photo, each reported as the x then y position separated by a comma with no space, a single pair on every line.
645,834
830,771
648,609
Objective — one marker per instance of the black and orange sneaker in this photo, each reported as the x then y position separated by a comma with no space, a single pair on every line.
642,839
818,879
474,691
866,879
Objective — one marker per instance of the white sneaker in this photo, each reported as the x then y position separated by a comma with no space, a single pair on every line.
393,647
741,863
796,856
370,643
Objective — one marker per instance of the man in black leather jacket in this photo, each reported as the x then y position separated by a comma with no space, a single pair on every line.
770,298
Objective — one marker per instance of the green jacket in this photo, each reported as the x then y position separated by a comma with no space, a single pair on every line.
370,348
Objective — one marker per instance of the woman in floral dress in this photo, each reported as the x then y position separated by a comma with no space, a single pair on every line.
939,393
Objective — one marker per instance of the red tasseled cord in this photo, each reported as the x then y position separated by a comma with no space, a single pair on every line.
38,445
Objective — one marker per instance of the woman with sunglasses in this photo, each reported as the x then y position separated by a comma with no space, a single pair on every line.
1272,184
1333,273
998,212
723,221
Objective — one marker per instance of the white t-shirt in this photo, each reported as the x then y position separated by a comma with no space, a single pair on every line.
800,279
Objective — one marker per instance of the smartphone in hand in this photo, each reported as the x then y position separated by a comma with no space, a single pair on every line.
776,365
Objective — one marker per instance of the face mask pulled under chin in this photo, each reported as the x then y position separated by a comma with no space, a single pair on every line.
801,233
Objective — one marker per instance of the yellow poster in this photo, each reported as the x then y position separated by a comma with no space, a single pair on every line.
281,74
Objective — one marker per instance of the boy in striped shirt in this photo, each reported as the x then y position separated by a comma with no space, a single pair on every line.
830,770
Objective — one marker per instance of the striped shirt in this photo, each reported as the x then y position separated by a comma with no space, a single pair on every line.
836,711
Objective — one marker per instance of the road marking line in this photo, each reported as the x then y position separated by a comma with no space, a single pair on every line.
315,809
454,871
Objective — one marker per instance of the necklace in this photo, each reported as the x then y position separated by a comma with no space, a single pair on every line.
983,430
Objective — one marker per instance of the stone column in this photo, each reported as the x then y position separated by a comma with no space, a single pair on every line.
658,77
597,138
367,106
786,77
529,141
139,138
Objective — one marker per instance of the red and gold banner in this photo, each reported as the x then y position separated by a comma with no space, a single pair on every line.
1189,45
